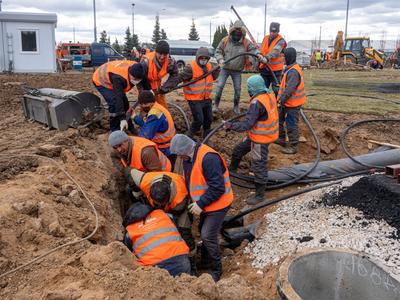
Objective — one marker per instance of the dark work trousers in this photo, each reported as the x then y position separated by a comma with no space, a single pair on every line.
202,115
290,117
209,227
269,79
109,97
176,265
259,158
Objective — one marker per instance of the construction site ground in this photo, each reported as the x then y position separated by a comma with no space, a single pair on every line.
40,208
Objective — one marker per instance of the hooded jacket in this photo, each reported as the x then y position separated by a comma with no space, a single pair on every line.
293,77
232,48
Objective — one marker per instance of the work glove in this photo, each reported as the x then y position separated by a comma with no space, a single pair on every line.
123,125
195,209
228,125
221,63
262,59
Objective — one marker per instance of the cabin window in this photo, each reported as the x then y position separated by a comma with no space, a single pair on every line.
29,41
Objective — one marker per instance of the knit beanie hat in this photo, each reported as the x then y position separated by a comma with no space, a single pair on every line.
137,70
162,47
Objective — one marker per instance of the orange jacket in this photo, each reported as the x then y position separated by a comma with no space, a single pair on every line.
156,239
163,139
265,132
101,77
276,64
298,98
202,89
138,144
153,75
178,195
198,184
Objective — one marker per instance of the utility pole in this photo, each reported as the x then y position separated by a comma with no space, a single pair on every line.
319,41
265,18
0,4
133,19
347,19
73,30
210,31
94,19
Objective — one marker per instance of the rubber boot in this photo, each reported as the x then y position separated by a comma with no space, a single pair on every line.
291,149
193,266
259,196
234,165
280,142
236,108
215,269
215,106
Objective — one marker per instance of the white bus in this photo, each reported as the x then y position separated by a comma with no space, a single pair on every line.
184,51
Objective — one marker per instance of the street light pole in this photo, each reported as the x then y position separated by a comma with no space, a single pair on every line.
0,4
94,18
347,19
265,19
133,19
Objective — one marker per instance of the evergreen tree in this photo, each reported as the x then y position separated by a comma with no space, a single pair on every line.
128,40
156,32
103,37
230,24
219,34
135,41
117,47
163,35
108,40
193,35
224,31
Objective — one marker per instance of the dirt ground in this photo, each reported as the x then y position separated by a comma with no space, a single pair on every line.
40,208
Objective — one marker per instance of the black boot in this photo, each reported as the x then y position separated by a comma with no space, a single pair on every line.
290,149
193,266
215,106
236,108
234,165
259,196
215,269
281,142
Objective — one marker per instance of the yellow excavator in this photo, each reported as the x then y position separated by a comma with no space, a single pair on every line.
358,50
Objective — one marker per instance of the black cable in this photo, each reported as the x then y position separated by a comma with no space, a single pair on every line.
347,130
183,113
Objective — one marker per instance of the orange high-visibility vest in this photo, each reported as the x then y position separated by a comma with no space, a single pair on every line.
265,132
156,239
138,144
276,64
298,97
180,194
202,89
153,75
101,77
163,139
247,64
198,184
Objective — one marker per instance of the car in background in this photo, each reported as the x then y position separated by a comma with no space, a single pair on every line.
303,59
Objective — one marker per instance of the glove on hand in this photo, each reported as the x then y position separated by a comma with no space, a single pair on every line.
195,209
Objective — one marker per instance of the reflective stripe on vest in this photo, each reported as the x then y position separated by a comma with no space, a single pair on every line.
298,98
157,244
163,139
101,77
198,184
202,89
154,233
265,132
276,64
153,74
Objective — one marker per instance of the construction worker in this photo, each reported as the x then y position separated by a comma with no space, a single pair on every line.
271,57
134,54
198,94
113,80
155,121
292,97
167,191
158,65
261,123
318,57
230,46
207,179
154,239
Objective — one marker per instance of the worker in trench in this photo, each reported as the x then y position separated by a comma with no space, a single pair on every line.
167,191
156,123
207,179
271,57
262,125
113,80
159,64
291,98
154,239
198,94
235,43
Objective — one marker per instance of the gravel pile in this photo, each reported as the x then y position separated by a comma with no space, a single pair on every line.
305,222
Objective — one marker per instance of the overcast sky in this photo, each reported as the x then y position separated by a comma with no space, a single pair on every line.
300,19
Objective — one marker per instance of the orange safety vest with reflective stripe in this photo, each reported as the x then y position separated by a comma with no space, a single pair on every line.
276,64
265,132
180,194
198,183
244,45
156,239
298,97
101,77
202,89
153,74
163,139
138,144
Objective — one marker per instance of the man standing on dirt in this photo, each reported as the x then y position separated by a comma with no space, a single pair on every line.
271,57
207,179
261,123
235,43
198,94
291,97
113,80
158,64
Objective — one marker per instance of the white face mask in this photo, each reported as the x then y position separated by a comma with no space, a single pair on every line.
136,81
203,62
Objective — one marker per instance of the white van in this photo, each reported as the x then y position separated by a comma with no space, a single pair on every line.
184,51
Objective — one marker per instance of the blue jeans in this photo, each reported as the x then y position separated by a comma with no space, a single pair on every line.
269,79
290,117
176,265
237,82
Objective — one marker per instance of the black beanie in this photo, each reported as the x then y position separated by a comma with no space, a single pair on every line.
274,27
162,47
137,70
146,97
